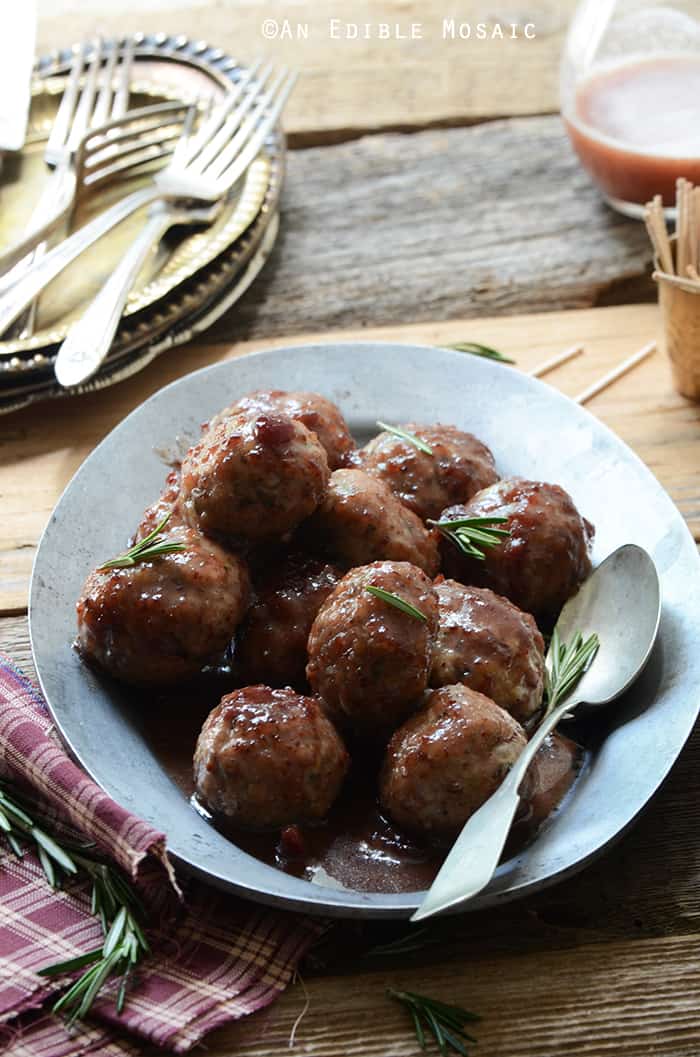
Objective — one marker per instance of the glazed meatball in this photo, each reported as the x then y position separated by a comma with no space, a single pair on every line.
166,505
253,475
490,645
162,619
272,640
269,758
368,660
316,412
545,556
361,521
459,466
446,761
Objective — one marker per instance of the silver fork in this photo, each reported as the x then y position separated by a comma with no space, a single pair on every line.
239,126
204,169
80,109
138,139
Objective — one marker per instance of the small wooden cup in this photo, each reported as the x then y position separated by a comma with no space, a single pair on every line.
680,313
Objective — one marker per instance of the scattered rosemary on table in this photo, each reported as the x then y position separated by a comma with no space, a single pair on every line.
566,663
405,435
397,602
444,1022
151,546
480,350
473,534
113,900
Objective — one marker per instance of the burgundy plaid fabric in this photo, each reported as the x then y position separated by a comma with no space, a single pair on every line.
215,958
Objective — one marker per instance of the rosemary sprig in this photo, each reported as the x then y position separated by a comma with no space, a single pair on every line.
151,546
397,602
480,350
444,1022
124,946
18,828
473,534
405,435
113,900
566,663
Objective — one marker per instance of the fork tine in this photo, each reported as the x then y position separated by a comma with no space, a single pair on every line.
104,96
186,134
64,116
121,96
213,123
232,122
231,165
81,120
100,113
248,128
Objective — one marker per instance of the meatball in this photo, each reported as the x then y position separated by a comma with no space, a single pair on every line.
545,556
316,412
253,475
166,505
368,660
162,619
269,758
446,761
272,640
361,521
487,643
459,466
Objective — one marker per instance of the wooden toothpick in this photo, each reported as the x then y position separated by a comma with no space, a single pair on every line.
556,361
617,372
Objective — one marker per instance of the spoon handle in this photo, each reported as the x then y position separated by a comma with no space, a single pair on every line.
475,854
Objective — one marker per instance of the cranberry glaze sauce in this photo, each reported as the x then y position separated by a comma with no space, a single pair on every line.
636,127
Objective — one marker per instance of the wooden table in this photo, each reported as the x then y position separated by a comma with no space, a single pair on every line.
437,236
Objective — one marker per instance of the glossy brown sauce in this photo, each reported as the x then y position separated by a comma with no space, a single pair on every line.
356,847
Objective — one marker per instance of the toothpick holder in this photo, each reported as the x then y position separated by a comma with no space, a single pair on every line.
680,313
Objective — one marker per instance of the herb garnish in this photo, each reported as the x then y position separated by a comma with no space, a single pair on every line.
480,350
405,435
444,1022
472,534
151,546
397,602
113,901
566,662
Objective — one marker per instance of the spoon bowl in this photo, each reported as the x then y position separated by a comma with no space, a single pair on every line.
621,603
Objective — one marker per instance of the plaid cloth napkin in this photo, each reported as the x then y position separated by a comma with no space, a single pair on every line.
215,958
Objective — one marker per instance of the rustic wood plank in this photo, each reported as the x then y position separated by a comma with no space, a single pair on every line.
634,999
349,86
439,225
40,451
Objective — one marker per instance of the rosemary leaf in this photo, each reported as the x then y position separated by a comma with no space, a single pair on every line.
151,546
397,602
480,350
473,535
444,1022
566,663
405,435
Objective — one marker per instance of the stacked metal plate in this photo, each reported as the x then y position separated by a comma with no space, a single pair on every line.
188,282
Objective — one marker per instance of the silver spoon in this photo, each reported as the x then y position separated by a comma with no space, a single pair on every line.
621,602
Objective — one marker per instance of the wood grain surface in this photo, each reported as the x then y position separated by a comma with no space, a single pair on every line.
353,85
441,224
41,448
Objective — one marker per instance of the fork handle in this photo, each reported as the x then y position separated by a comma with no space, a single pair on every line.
52,209
21,294
475,854
90,338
